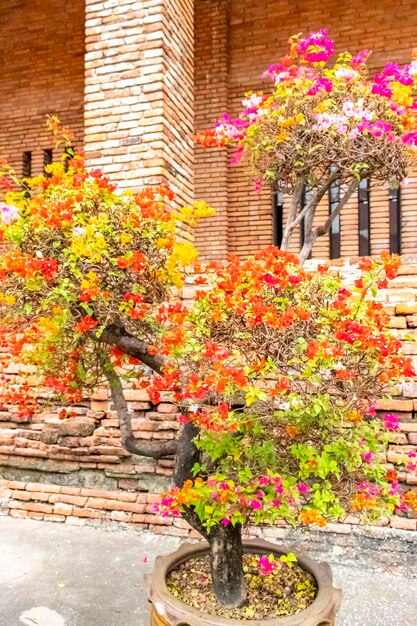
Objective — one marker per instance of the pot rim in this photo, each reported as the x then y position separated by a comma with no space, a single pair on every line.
159,592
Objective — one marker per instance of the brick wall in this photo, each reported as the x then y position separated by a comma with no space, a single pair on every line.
139,92
257,34
42,72
211,96
75,469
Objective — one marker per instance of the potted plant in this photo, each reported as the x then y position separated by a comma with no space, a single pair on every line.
325,126
275,370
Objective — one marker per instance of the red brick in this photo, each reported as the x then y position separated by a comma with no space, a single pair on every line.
36,516
14,484
43,488
18,513
59,497
403,523
39,495
115,505
89,513
21,495
60,508
395,405
121,516
37,507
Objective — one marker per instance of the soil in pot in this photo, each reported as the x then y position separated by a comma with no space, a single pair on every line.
285,591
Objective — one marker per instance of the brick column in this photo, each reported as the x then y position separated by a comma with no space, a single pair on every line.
211,100
139,111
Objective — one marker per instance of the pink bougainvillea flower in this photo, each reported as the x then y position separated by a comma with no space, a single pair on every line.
266,566
316,48
322,84
391,421
360,58
367,457
410,139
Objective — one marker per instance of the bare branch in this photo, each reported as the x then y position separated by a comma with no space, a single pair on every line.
154,449
118,337
322,230
295,201
311,234
314,202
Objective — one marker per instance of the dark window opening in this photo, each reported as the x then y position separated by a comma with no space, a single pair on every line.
47,160
394,197
364,218
26,170
277,218
27,165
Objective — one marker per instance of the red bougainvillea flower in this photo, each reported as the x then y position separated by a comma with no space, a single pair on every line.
86,324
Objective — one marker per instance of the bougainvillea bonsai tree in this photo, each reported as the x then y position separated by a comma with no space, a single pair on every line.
275,369
324,124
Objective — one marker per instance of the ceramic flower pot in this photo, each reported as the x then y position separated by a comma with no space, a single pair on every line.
169,611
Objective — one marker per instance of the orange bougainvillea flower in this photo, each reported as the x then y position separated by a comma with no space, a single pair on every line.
86,324
312,516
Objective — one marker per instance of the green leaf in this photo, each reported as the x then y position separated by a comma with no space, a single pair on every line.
87,308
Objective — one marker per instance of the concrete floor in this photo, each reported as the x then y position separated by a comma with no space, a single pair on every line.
56,575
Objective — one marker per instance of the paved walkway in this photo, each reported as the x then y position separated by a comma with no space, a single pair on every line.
56,575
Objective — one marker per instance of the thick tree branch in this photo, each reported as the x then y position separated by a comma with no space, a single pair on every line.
185,459
295,201
187,454
117,337
154,449
315,200
311,234
322,230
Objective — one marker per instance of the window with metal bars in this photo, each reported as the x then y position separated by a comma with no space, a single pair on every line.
364,218
277,218
394,200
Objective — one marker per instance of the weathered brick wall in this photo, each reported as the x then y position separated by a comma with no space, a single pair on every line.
42,72
75,469
139,92
256,35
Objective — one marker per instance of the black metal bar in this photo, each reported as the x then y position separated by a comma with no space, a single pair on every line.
394,196
364,218
334,234
305,199
277,218
27,165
